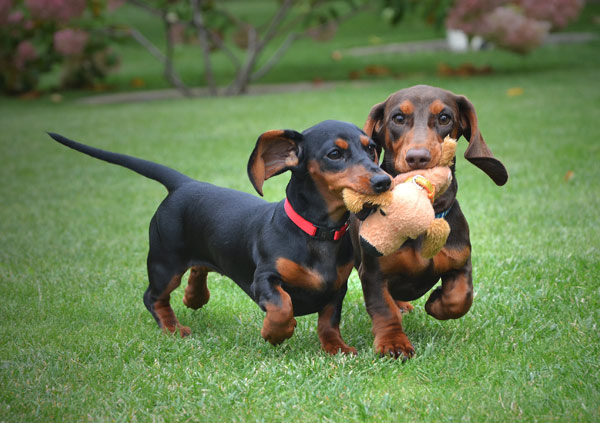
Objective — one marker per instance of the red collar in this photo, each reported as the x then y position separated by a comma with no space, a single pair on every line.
311,229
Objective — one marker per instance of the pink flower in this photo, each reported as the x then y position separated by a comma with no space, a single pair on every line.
25,53
15,17
514,31
70,42
56,10
558,12
467,15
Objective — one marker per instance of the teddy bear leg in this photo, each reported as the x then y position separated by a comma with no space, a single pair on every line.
435,238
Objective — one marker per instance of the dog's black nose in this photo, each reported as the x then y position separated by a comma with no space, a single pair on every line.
418,158
381,182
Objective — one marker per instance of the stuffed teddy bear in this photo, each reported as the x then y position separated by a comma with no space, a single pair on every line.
407,210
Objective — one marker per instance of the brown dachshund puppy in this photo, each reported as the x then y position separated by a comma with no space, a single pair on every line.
410,127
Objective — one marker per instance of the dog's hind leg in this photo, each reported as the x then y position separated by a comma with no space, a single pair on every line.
163,280
196,292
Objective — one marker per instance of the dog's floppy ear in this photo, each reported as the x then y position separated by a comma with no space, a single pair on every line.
275,152
373,124
478,152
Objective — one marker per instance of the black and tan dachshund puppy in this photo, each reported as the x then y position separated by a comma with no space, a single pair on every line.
410,127
290,257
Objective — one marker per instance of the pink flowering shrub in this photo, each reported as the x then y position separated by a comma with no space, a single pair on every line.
509,29
37,35
516,25
24,55
5,6
61,11
557,12
70,42
467,15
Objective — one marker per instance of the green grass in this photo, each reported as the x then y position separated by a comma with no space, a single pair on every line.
77,344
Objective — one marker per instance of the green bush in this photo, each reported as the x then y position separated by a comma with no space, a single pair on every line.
37,35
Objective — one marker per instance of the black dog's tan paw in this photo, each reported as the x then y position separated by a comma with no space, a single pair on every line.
196,301
275,332
196,292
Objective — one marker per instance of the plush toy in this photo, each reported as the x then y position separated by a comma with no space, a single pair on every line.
407,210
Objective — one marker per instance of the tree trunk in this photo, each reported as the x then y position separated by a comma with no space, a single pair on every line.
198,22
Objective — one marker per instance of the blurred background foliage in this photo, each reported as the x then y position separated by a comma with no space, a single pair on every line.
57,45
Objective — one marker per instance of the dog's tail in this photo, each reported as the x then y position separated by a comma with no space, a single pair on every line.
170,178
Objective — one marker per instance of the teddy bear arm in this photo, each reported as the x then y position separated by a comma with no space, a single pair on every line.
435,238
448,151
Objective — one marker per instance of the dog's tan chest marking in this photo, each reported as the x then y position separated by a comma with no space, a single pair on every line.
297,275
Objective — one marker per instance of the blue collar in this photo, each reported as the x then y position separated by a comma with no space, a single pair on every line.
443,214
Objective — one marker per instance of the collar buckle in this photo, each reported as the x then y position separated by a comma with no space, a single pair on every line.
324,234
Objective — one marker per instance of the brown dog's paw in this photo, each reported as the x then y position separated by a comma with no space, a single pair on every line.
396,347
451,306
405,306
339,348
182,330
276,332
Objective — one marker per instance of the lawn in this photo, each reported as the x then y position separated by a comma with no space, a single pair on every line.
79,345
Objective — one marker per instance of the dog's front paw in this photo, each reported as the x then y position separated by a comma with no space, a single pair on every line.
449,305
276,331
338,348
178,328
397,346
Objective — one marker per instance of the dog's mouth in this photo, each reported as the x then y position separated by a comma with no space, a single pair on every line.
404,167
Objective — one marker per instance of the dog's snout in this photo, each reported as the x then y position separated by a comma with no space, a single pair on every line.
418,158
381,182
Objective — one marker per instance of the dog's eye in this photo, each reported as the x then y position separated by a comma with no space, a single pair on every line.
371,150
335,154
398,119
444,119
